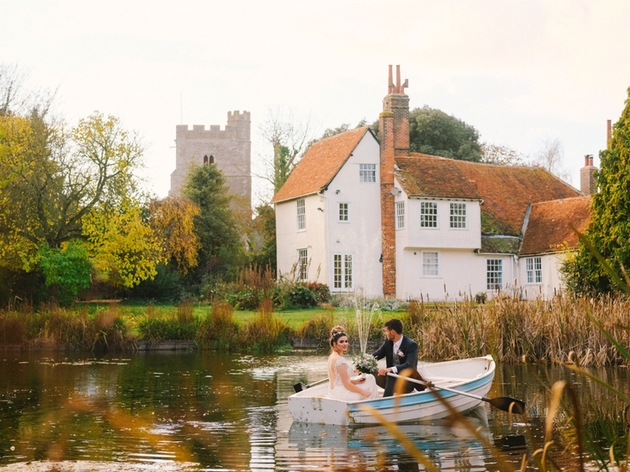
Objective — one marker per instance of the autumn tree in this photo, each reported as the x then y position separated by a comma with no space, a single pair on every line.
609,230
172,219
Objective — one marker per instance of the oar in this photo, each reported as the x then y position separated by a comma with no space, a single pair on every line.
502,403
298,387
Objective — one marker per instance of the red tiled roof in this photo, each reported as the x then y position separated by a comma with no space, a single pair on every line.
320,164
550,226
506,191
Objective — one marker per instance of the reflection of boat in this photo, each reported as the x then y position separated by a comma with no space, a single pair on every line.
470,376
438,435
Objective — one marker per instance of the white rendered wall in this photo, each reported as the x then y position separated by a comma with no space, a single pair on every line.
551,284
361,235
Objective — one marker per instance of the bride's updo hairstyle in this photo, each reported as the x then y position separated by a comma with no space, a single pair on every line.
336,333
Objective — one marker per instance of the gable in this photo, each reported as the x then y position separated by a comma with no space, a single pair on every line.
320,164
550,225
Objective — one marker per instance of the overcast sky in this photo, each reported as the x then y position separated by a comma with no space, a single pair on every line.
520,72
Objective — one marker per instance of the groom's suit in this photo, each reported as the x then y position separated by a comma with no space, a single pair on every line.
406,357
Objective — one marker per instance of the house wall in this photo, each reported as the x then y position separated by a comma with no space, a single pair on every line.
462,273
361,235
551,284
325,235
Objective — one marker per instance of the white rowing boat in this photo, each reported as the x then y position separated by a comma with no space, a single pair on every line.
463,383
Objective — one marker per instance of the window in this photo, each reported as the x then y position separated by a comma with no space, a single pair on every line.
343,212
367,173
301,214
302,265
430,264
428,215
342,271
400,215
494,274
534,270
458,215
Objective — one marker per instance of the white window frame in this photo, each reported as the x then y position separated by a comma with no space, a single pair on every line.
301,214
367,173
343,215
400,215
343,268
494,274
428,215
457,216
533,267
430,264
302,264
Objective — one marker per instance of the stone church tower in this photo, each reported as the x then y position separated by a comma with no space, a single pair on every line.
229,149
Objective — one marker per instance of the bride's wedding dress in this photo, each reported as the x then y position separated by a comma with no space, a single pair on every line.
337,391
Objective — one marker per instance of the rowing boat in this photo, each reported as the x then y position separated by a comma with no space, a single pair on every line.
463,383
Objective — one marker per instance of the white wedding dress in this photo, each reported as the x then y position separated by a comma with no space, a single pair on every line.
337,391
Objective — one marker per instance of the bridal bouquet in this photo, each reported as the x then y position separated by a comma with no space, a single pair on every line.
365,363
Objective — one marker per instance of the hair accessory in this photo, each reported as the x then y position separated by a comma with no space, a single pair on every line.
337,335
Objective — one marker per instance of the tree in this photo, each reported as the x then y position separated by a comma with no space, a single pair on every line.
121,244
288,137
432,131
172,219
263,239
501,155
608,232
550,157
215,226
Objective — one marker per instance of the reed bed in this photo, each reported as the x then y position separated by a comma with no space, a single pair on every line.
514,330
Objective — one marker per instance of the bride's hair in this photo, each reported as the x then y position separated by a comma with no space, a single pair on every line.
336,333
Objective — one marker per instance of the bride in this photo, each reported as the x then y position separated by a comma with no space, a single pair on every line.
342,385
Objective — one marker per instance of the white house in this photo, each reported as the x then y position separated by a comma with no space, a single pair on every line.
359,213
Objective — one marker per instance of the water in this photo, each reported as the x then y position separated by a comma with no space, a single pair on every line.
212,411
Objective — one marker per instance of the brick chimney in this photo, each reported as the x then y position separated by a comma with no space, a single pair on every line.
587,176
394,127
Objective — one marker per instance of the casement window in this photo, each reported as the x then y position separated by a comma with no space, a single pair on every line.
302,265
344,212
430,264
494,274
400,215
301,214
342,272
533,266
367,173
428,215
458,215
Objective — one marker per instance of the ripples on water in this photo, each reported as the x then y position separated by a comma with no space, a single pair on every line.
219,412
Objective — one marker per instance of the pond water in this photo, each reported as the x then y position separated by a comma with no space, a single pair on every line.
211,411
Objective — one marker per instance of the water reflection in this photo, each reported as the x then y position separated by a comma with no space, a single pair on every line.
222,411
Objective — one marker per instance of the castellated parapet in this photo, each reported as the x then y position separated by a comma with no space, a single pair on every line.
229,149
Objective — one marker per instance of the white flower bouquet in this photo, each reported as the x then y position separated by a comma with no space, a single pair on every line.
365,363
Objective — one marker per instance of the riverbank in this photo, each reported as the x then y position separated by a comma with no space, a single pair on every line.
580,331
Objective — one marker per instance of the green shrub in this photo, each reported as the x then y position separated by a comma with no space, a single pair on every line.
302,297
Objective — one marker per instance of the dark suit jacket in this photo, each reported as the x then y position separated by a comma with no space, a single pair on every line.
408,347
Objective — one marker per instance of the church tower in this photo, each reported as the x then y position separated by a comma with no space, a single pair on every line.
229,149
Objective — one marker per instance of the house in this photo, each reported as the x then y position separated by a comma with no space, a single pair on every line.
359,213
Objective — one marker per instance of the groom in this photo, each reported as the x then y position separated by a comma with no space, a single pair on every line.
400,353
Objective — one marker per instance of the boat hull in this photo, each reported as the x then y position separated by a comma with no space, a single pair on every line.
472,376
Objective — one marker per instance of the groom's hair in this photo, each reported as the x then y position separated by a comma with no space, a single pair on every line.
394,325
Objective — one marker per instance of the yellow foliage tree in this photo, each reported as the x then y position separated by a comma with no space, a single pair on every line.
123,247
172,219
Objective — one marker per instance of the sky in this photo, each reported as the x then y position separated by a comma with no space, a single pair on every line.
522,72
